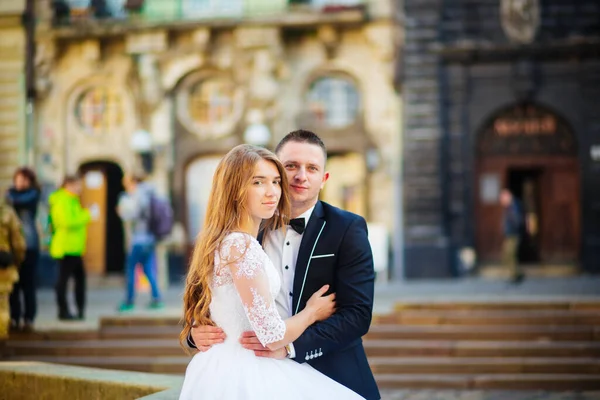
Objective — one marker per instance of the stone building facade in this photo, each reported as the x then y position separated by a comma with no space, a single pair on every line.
501,94
13,136
194,82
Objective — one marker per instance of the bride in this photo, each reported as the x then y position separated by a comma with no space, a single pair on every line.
232,283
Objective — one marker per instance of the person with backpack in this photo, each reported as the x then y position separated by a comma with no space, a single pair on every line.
69,222
138,208
24,197
12,243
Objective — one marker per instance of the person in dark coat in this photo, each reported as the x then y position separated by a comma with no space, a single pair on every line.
24,197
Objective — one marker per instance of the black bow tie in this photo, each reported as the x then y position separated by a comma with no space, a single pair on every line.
297,224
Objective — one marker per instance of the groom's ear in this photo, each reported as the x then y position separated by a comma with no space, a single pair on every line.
325,178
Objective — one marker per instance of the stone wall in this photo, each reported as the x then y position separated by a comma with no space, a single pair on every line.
458,67
12,93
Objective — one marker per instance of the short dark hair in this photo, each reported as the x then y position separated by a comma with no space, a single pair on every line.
302,136
69,179
138,177
29,174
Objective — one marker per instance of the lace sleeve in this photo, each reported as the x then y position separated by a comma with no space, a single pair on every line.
249,277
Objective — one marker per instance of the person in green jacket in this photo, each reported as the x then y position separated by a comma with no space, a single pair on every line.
69,221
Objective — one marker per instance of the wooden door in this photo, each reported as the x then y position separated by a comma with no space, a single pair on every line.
561,223
93,195
491,178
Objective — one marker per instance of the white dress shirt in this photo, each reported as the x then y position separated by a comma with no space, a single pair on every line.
282,248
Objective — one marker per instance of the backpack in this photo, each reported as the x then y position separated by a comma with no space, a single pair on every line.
161,217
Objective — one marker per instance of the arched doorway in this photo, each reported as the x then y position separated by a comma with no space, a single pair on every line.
101,186
532,151
198,181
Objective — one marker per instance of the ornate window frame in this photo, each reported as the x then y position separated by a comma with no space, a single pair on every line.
334,75
107,129
217,130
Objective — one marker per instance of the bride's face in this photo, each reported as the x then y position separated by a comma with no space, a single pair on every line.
265,190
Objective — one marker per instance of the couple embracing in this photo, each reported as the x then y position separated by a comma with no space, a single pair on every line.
280,286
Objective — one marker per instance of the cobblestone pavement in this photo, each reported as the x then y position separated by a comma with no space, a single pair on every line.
485,395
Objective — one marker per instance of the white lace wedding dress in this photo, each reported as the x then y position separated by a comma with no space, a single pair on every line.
242,300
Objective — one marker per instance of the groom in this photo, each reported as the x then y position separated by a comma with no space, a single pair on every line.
323,245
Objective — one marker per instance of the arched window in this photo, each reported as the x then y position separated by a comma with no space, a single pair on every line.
334,101
99,110
209,105
211,101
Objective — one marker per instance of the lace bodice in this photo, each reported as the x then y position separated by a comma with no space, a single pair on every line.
245,284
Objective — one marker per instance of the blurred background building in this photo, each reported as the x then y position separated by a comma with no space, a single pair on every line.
501,94
496,94
172,85
13,92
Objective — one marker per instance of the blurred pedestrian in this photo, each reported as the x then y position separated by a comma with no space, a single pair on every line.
512,224
69,221
24,197
12,243
135,208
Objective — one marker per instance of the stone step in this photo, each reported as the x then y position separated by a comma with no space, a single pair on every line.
141,332
377,332
504,305
97,348
374,348
490,317
554,382
177,365
438,348
426,317
487,365
106,322
484,333
162,365
71,336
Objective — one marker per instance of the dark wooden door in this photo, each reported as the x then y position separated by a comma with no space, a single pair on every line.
559,216
560,226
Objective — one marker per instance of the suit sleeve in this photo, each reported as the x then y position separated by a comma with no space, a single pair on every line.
354,288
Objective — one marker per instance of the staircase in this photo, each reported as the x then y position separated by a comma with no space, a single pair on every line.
509,345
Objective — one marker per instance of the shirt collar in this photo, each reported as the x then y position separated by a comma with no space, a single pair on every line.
306,214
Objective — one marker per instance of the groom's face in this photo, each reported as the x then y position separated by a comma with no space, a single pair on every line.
304,165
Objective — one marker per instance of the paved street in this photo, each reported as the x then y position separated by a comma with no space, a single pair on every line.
484,395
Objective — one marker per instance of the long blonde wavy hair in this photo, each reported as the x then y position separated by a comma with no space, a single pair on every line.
226,211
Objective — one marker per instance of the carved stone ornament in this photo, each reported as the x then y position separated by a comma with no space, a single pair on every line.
520,19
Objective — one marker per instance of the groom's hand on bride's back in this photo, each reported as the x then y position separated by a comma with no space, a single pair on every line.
205,336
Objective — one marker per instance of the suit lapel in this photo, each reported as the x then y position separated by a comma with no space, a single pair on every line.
313,231
261,237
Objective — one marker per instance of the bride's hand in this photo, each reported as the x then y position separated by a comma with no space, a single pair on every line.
321,307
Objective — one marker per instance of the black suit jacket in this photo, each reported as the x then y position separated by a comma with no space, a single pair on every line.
335,250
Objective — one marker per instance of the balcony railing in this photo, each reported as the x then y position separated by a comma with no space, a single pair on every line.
67,12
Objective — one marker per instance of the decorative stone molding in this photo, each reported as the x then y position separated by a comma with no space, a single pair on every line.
330,39
146,42
44,63
381,37
520,19
251,37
